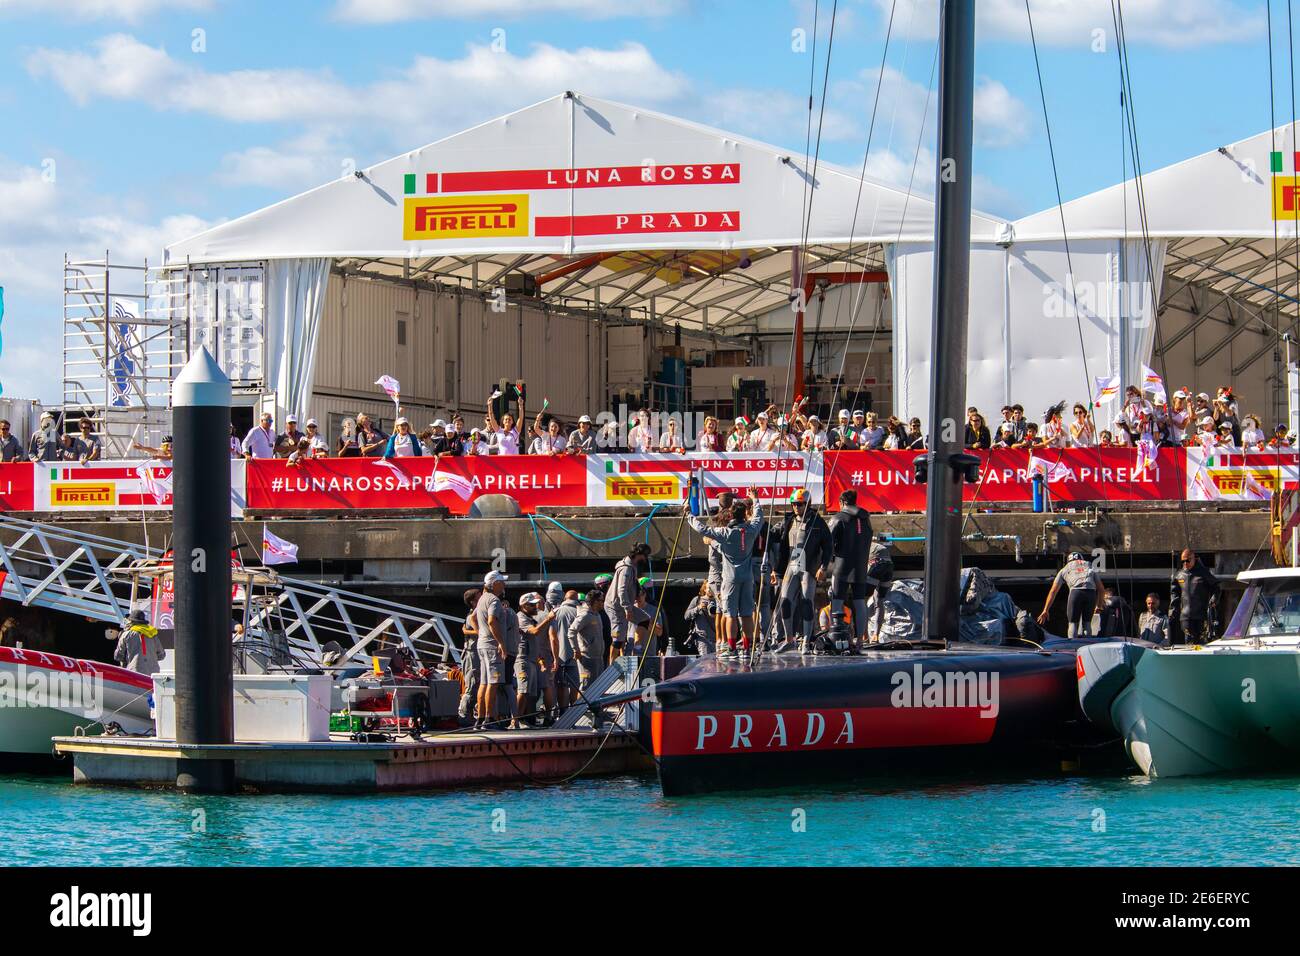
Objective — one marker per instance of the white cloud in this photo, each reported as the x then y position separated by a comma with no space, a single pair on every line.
1001,119
129,10
430,94
1169,23
392,11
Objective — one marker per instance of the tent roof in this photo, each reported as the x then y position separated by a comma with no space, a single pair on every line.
710,229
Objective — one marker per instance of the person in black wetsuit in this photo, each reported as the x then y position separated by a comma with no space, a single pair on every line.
1193,594
801,556
850,550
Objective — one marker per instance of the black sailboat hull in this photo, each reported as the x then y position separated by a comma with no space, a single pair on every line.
792,720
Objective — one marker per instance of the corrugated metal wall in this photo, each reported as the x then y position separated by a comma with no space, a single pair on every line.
457,348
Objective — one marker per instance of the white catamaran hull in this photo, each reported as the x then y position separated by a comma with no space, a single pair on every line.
49,695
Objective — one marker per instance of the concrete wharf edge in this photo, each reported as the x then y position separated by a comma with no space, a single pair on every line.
437,762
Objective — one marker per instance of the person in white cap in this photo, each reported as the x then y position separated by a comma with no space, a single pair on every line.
1207,435
844,437
318,447
1177,416
287,443
582,440
401,443
438,443
739,436
815,437
765,437
535,661
491,627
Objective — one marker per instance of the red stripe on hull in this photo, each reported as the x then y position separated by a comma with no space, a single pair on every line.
74,665
699,733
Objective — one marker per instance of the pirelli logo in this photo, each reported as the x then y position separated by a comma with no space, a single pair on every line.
666,488
464,217
83,494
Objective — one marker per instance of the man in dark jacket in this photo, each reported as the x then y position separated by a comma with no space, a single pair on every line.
801,558
1193,596
850,548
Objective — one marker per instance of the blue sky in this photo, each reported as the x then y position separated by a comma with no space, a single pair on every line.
122,128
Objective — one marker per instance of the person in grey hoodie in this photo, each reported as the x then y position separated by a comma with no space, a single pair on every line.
735,542
620,596
587,638
566,655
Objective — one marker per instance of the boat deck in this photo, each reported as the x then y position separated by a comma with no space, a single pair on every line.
447,760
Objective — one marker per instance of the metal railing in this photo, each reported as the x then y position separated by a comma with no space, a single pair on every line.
100,578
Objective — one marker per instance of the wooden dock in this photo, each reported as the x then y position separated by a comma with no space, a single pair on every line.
449,760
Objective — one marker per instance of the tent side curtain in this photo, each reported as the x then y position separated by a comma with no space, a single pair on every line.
1032,306
295,297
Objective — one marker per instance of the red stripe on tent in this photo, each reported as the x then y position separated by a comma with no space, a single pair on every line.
593,177
631,223
110,474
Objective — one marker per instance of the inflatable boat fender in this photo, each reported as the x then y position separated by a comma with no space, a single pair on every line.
1103,671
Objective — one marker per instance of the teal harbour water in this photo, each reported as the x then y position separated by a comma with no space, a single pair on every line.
1103,821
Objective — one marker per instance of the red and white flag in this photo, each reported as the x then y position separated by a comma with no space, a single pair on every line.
160,488
1050,470
458,485
276,550
392,386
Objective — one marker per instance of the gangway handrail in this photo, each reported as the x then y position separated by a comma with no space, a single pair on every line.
69,570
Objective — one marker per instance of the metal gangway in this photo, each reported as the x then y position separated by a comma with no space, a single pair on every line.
99,578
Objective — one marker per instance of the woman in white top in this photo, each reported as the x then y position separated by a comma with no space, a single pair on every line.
475,445
1083,434
815,436
1252,436
316,441
505,436
403,443
1053,433
548,442
670,440
1177,417
1206,436
640,439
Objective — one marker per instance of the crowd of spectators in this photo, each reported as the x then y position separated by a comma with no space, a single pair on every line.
1184,420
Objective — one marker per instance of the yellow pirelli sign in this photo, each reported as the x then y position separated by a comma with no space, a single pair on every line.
464,217
83,494
666,488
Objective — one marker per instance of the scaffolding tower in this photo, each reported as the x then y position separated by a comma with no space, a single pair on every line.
124,340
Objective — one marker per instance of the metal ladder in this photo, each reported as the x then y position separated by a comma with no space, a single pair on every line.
57,567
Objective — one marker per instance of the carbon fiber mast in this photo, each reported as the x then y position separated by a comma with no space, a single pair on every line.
946,465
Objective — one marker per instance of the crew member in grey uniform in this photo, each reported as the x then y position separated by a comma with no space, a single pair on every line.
587,638
806,553
1084,585
736,542
1153,624
721,515
534,661
850,549
566,655
620,596
469,667
490,616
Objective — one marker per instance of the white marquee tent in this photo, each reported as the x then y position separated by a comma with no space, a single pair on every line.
608,206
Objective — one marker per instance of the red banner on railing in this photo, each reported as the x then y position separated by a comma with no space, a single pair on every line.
331,484
884,480
17,486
